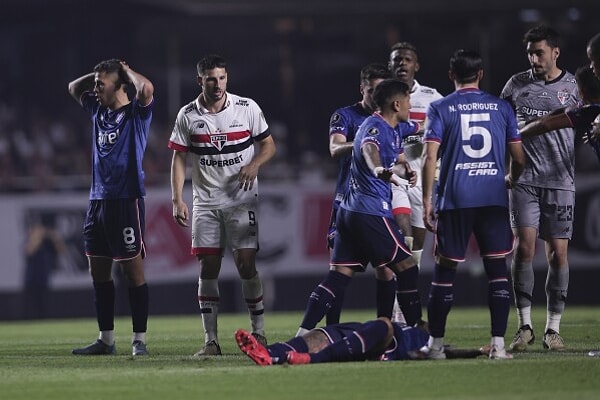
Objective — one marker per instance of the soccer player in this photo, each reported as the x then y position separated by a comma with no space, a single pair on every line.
343,124
407,205
366,231
470,131
114,225
379,339
593,53
543,199
219,129
407,200
581,118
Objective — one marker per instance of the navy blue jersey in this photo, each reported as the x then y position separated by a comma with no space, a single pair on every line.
118,145
473,129
345,121
367,193
582,119
405,341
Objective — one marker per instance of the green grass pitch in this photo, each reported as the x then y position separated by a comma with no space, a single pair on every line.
35,363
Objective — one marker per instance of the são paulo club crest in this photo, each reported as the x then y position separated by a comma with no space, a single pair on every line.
218,140
563,96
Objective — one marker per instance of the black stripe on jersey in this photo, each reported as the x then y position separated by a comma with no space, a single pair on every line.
263,135
211,150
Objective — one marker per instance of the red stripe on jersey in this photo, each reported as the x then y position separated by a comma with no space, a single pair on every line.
231,136
417,116
178,147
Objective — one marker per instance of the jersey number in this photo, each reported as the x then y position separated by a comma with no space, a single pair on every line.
468,131
129,235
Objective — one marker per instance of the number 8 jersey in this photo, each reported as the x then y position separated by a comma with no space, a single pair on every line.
472,128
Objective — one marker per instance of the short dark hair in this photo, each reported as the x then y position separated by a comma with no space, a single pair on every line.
465,64
209,62
110,66
542,32
404,46
387,90
374,71
588,82
594,46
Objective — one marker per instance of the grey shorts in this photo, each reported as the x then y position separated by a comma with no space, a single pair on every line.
549,211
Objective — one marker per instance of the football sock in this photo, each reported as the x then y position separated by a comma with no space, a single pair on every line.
557,284
278,350
104,293
408,295
524,315
498,294
441,297
138,301
108,337
385,294
417,256
523,280
322,298
334,313
141,336
208,300
253,294
356,346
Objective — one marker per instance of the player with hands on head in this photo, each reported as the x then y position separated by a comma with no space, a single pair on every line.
115,220
220,130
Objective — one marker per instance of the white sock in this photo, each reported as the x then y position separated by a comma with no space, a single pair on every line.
302,332
524,315
141,336
108,337
252,291
208,300
498,341
435,343
417,256
553,321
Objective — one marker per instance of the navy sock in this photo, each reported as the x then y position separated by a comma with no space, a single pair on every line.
278,351
104,293
138,301
356,346
323,297
408,295
385,293
440,301
334,313
498,294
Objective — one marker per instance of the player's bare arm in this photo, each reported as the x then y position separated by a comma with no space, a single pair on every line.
545,124
430,152
143,87
316,341
81,85
339,146
517,162
180,209
249,172
370,153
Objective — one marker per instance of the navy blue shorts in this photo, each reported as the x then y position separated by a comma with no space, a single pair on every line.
363,238
115,229
489,225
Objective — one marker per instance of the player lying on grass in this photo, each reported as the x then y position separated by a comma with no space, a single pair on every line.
379,339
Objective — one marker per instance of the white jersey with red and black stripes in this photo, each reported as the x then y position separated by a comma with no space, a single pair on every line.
420,98
221,144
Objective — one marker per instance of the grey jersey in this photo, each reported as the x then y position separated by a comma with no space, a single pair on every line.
550,157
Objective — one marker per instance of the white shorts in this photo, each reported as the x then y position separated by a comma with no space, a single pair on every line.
408,200
213,230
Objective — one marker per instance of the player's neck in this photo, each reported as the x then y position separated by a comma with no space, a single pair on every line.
213,106
461,86
552,74
121,100
390,117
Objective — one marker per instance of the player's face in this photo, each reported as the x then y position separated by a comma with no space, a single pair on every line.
403,107
404,65
367,88
214,84
105,87
594,62
542,58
